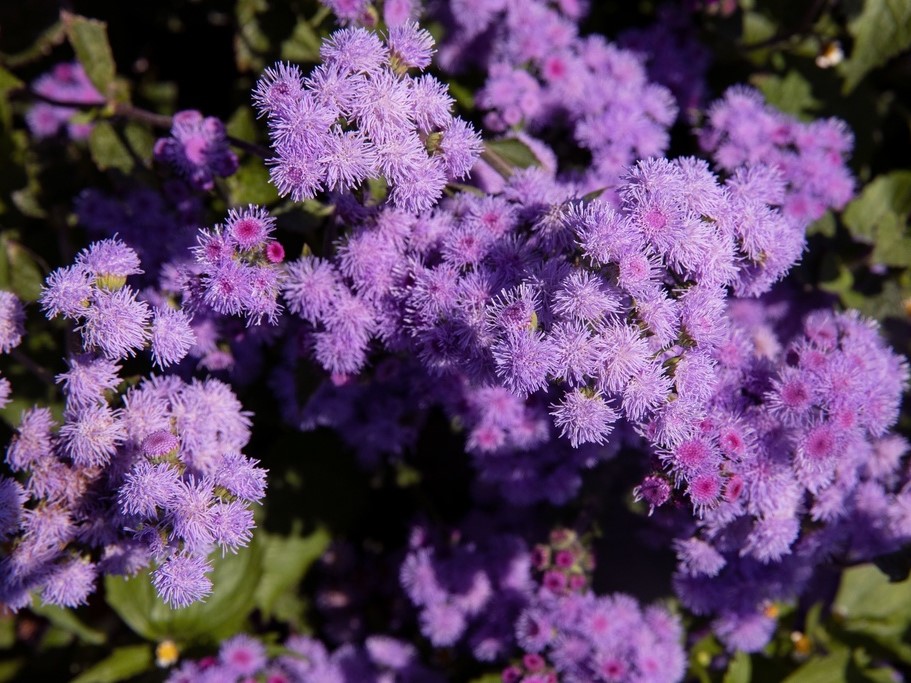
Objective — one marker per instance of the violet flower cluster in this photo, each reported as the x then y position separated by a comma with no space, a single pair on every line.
12,329
66,82
800,425
542,76
360,115
487,590
150,473
197,149
742,129
381,659
601,313
239,267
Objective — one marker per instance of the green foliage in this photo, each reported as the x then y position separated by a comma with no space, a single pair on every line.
286,560
739,670
89,38
513,152
879,217
880,31
235,579
123,663
68,621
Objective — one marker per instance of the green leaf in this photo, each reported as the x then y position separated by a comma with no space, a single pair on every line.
285,563
89,38
824,226
25,277
68,621
108,149
9,669
881,31
234,581
866,593
7,82
826,669
488,678
879,216
514,152
123,663
792,94
739,670
251,184
302,45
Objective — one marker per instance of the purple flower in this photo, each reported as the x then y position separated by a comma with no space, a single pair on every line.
172,337
115,323
147,488
70,584
584,417
91,436
242,655
12,317
88,380
181,580
241,476
197,149
410,46
67,291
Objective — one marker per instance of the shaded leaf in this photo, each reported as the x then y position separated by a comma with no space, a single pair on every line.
19,271
303,44
822,669
879,217
108,150
739,670
251,184
514,152
89,38
285,563
68,621
865,593
792,94
881,31
234,581
123,663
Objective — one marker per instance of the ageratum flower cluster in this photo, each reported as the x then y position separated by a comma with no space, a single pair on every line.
542,76
360,115
197,149
742,129
800,425
66,82
239,262
150,474
621,309
306,660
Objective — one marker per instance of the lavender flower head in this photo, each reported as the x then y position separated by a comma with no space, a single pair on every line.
198,149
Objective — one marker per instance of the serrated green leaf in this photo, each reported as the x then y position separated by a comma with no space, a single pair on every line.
68,621
792,94
739,670
89,38
234,580
881,31
7,82
123,663
285,563
514,152
826,669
